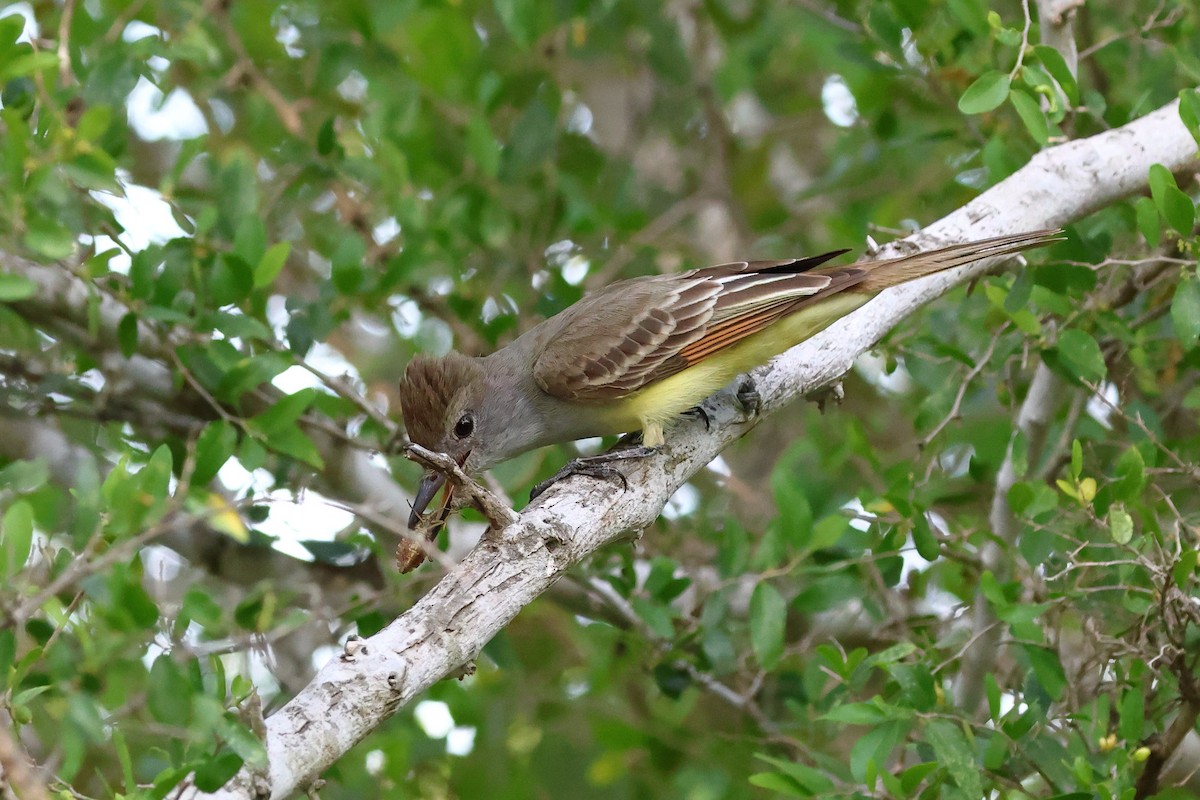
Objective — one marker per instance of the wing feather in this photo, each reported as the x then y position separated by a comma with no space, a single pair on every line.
617,341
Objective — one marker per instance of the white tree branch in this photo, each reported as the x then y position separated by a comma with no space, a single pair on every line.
448,627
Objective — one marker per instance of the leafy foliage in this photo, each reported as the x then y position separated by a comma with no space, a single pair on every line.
204,309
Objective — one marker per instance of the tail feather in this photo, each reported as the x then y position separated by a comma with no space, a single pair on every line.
891,272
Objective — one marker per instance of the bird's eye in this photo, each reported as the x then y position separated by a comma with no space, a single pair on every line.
465,426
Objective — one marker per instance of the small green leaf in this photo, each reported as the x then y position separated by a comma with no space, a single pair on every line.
768,618
94,169
127,334
1185,312
214,446
955,753
1031,114
1080,355
482,146
1148,220
167,692
924,539
1120,524
1176,207
992,689
814,781
16,538
270,265
15,287
1189,111
1132,716
987,93
27,64
94,122
1047,669
242,741
779,784
856,714
49,238
216,772
1056,65
230,280
1185,567
1131,471
347,265
1076,459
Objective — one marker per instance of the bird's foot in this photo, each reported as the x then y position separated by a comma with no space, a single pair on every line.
822,396
599,467
698,411
749,398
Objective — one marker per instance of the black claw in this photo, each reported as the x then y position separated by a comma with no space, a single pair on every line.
599,467
698,411
749,398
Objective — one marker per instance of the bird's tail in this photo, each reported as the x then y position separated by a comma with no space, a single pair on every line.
891,272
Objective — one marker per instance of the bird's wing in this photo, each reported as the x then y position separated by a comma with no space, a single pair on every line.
617,340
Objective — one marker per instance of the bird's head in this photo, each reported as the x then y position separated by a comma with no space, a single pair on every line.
445,405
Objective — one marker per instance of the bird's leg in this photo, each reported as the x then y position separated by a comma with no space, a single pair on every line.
698,411
822,396
600,466
748,397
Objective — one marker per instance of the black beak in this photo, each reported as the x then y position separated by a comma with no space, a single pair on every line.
431,482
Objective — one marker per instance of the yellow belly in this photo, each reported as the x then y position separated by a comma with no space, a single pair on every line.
662,400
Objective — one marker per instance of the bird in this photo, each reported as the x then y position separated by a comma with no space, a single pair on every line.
636,354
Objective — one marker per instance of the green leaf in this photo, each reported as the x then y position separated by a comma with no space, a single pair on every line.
1056,65
1080,355
987,93
230,280
482,146
94,169
1185,568
926,542
347,265
94,122
214,446
780,784
856,714
1076,458
768,618
1031,114
1185,312
1048,670
271,263
49,238
1132,714
955,753
216,772
278,426
1131,469
1120,524
8,654
873,750
168,695
814,782
1176,207
127,334
1189,111
242,741
16,538
28,64
15,287
1148,220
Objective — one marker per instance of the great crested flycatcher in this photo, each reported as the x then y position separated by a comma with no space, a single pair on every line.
638,352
